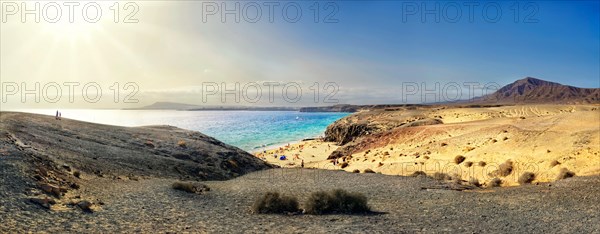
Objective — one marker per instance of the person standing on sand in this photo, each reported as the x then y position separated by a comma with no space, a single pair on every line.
302,164
56,116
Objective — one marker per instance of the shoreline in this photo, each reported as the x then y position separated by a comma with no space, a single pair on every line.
278,145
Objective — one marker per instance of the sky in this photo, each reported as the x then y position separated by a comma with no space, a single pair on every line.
355,52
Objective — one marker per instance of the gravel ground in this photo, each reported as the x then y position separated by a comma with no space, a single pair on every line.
401,204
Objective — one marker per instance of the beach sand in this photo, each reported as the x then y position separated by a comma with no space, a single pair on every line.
533,137
313,152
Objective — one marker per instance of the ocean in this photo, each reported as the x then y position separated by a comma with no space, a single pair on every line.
248,130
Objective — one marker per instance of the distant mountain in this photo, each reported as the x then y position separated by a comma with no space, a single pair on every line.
533,90
357,108
168,106
190,107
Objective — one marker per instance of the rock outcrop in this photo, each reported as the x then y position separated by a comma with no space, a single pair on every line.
48,161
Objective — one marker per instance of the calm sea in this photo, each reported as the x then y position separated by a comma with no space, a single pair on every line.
248,130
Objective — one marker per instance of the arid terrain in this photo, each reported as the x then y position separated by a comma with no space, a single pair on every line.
546,130
542,139
72,176
401,205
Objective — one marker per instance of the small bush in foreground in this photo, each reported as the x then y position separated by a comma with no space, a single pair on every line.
356,171
526,178
336,201
190,187
441,176
182,144
496,182
274,203
505,168
554,163
459,159
344,165
482,163
368,171
474,182
468,164
418,173
565,173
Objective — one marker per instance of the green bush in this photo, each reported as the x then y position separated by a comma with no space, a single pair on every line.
336,201
274,203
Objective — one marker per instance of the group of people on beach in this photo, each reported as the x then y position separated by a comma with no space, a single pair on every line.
279,153
58,115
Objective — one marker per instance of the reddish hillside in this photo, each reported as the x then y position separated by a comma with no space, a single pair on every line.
532,90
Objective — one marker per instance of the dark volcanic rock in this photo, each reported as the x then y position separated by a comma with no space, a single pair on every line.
343,133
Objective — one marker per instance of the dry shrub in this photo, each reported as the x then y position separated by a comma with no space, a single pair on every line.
554,163
565,173
441,176
459,159
190,187
368,171
344,165
474,182
336,201
149,144
181,143
505,168
496,182
418,173
356,171
526,178
274,203
77,174
468,164
481,163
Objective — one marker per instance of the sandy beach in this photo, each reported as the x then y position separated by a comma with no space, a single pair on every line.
542,139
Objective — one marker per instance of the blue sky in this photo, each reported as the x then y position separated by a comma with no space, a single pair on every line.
370,52
563,45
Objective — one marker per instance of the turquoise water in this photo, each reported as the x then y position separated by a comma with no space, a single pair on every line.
248,130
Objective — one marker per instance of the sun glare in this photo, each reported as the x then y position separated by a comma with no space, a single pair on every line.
71,31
